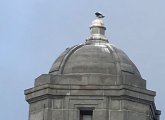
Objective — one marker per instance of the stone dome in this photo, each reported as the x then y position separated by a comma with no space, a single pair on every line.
101,58
95,56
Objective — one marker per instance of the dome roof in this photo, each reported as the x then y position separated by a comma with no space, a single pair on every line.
100,58
95,56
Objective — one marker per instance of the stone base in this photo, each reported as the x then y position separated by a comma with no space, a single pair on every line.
50,101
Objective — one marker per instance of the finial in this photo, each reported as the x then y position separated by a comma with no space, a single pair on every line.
97,30
99,15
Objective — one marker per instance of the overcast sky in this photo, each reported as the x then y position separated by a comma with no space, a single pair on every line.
34,32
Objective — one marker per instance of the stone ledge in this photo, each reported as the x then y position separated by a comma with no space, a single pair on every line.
90,79
66,90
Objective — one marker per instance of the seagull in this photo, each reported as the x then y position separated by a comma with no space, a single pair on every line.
99,15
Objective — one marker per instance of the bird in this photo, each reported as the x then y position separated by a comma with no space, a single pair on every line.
99,15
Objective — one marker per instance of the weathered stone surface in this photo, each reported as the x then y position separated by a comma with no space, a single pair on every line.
115,104
131,115
36,115
100,114
91,79
135,106
117,115
57,103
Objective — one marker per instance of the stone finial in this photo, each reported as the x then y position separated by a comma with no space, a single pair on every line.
97,29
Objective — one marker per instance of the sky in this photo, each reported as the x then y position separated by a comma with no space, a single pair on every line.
33,33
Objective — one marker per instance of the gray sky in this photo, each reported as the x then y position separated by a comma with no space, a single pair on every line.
34,32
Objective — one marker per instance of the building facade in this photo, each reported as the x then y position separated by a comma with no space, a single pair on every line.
92,81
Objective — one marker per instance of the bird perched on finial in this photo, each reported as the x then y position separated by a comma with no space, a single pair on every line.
99,15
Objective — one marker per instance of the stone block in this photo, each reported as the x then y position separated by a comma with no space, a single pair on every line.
117,115
67,79
57,104
135,106
36,115
80,103
131,115
73,114
43,79
65,114
133,80
100,114
87,92
57,114
39,105
102,80
115,104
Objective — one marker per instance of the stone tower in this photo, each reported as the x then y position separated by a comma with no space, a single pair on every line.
92,81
